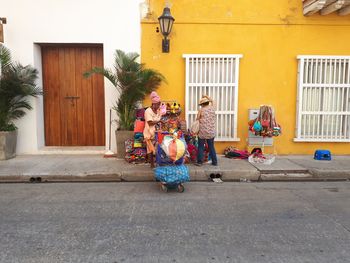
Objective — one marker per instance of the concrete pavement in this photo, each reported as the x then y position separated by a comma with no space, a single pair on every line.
69,168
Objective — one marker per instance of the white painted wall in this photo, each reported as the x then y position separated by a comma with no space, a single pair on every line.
114,23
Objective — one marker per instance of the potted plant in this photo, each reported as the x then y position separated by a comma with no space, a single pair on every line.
133,82
17,83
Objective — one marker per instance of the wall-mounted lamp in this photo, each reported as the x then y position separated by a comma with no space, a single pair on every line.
166,22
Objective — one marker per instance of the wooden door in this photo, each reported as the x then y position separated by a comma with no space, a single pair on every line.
73,105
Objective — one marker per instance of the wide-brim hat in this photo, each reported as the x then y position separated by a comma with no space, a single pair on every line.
204,99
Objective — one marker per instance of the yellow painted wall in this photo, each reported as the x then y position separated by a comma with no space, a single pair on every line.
270,34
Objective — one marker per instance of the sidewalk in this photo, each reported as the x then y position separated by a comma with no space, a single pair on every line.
95,168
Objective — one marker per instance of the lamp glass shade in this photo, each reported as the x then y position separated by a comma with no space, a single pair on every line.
166,22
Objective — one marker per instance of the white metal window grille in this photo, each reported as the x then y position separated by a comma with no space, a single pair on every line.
323,101
215,76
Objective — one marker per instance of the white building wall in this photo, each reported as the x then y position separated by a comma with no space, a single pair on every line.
113,23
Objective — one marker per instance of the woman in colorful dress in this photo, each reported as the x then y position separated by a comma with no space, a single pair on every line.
207,131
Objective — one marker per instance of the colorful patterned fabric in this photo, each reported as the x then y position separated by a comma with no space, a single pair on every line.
174,148
138,136
163,159
136,156
207,122
172,174
138,144
129,145
193,151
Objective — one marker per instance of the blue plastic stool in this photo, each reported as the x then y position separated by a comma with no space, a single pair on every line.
324,155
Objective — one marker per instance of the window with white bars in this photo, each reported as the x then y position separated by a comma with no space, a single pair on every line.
215,76
323,102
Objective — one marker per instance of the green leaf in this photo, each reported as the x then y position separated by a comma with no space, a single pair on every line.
17,83
133,82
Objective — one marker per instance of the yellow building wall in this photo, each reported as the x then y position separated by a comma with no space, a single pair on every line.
270,34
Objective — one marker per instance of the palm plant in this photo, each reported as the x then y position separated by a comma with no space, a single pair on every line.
132,81
17,83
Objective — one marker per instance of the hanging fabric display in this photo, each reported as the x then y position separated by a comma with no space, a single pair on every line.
265,125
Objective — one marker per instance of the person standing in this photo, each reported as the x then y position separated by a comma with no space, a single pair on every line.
152,117
207,123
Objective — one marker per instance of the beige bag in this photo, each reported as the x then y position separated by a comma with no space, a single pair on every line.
195,127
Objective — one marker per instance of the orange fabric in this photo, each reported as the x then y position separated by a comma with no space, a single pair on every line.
139,126
172,150
160,137
150,146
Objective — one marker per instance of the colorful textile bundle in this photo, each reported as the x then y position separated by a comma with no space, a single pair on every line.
265,125
138,136
163,159
136,149
192,151
234,153
173,147
139,140
172,174
136,156
139,126
129,145
169,124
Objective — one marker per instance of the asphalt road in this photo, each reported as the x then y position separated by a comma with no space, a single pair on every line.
136,222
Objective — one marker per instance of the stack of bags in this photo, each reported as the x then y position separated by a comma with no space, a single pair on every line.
140,151
138,134
136,151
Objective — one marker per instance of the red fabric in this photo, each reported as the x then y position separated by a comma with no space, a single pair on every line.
139,126
160,137
192,151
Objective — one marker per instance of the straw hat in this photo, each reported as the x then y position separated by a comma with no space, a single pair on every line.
204,99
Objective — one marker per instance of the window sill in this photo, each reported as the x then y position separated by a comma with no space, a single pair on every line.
227,139
320,140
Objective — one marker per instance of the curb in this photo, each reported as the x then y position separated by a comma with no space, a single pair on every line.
290,177
330,175
195,175
48,178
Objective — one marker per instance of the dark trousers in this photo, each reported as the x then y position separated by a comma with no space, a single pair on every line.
212,151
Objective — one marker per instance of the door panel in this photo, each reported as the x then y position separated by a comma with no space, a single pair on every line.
84,89
52,108
98,98
74,106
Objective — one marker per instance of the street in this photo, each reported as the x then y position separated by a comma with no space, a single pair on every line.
137,222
